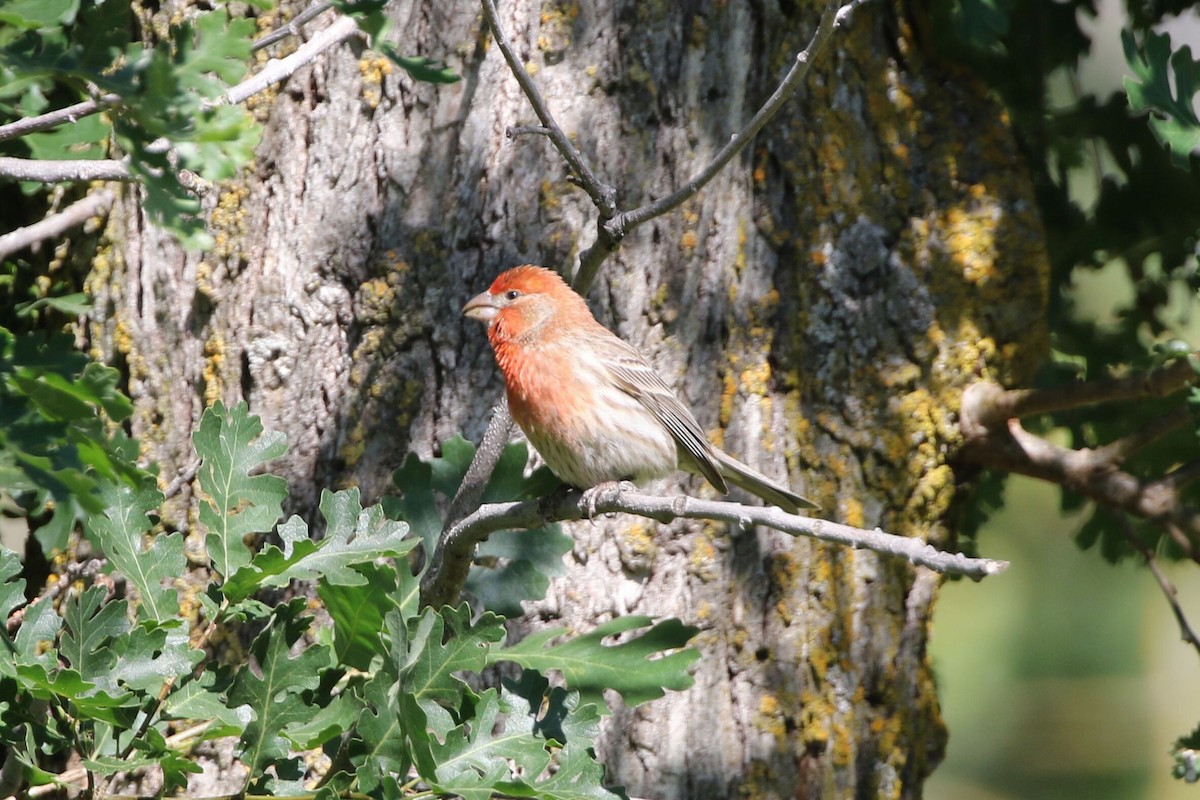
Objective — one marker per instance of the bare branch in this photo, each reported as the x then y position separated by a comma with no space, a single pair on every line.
293,27
45,171
52,119
738,141
183,478
54,225
470,491
613,230
441,585
1011,448
525,130
1168,589
603,195
993,404
278,70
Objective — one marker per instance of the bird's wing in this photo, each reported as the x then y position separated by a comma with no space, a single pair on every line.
636,377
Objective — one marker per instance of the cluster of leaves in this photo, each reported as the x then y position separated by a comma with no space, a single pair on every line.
168,116
379,687
58,420
1143,220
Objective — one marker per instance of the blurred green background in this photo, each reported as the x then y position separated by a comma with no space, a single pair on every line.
1065,677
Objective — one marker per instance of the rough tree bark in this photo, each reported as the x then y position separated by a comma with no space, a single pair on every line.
821,306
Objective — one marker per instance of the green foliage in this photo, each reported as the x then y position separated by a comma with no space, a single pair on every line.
169,95
170,115
57,431
231,443
590,666
512,565
122,525
385,690
1172,115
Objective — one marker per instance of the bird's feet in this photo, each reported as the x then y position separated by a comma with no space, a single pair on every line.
609,491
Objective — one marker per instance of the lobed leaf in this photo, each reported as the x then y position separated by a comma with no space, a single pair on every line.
358,613
273,686
639,669
232,444
1172,113
353,536
121,530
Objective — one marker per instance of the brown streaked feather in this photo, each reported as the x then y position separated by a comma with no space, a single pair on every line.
636,377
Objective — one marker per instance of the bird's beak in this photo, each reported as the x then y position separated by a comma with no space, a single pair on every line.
482,307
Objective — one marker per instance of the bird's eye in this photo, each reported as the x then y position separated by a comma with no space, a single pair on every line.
512,294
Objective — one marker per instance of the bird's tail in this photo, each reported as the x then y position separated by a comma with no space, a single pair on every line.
756,483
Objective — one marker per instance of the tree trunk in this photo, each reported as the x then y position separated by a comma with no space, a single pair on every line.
820,306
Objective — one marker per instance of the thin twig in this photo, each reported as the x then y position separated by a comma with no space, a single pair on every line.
1168,589
183,478
293,26
993,404
611,232
52,119
513,132
54,225
77,775
48,171
1120,449
603,195
278,70
165,691
90,570
456,548
738,141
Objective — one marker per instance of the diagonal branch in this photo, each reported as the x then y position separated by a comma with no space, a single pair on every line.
1120,449
54,225
1009,447
603,195
993,404
60,116
611,231
1168,589
280,69
455,550
292,27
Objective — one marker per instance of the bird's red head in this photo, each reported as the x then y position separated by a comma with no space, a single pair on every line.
522,300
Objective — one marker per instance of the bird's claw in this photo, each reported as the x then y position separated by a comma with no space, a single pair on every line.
607,491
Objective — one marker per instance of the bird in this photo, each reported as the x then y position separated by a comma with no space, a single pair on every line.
589,402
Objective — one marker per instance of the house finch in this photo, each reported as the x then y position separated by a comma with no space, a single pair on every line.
590,403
